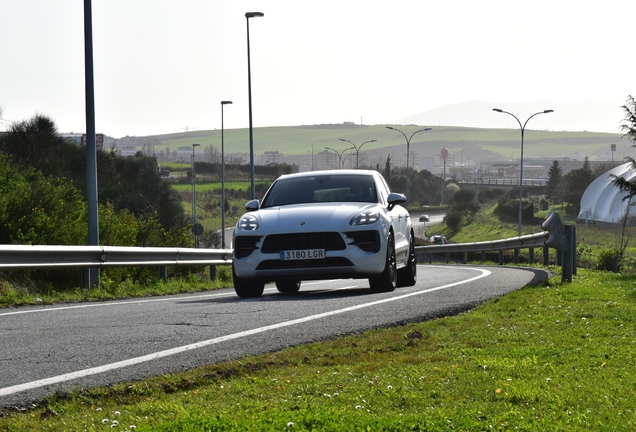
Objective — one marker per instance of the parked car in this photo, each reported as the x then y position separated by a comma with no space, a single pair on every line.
424,218
320,225
438,239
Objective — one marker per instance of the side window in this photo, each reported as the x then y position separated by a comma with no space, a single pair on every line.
383,189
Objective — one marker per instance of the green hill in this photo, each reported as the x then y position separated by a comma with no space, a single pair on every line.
475,143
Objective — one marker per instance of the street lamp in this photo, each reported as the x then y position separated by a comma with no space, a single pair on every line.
523,128
194,191
249,15
339,154
408,145
356,148
223,103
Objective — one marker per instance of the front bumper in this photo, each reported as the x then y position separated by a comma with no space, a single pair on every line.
351,254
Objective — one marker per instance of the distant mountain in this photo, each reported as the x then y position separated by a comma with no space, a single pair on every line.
601,115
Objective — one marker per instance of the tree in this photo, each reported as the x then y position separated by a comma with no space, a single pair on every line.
387,168
555,175
463,205
629,129
35,143
128,183
573,186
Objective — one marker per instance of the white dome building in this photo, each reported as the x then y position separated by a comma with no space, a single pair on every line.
602,201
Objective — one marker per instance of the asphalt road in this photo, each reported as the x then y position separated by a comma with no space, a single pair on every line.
53,348
420,228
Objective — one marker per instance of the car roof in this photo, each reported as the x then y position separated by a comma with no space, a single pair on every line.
359,172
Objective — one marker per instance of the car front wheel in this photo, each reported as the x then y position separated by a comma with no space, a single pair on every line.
387,280
408,275
247,288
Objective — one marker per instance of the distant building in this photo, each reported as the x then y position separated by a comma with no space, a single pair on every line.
128,151
603,202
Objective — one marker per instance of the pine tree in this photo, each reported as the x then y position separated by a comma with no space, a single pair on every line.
555,175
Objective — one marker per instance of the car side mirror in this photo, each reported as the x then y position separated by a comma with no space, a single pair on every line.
395,199
252,205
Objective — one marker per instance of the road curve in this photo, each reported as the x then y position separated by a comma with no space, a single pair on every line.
54,348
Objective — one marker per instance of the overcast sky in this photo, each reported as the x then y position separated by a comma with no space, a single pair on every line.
162,66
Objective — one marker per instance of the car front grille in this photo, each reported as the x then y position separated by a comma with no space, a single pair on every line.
329,241
301,264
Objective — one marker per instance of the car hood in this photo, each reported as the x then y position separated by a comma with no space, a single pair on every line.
310,216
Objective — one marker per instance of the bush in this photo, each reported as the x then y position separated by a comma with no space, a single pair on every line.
37,210
453,219
609,260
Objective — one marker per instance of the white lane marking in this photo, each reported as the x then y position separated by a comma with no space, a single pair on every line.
137,360
116,303
137,301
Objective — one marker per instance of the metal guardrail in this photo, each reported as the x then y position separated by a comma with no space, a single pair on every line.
15,257
21,257
501,181
558,236
527,241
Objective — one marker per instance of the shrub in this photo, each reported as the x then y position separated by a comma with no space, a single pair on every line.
609,260
453,219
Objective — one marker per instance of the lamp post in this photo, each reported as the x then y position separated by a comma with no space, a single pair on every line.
356,148
408,145
194,191
249,15
223,103
339,154
523,128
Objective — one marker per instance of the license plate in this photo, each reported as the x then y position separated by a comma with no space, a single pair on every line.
302,254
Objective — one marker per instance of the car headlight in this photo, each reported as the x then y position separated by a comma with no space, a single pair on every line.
366,217
248,222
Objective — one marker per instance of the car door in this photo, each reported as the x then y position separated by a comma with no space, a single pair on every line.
400,218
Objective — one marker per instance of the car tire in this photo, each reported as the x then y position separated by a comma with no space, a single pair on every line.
288,286
247,288
387,280
408,275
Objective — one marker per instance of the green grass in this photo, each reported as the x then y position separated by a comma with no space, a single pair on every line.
550,357
211,186
14,294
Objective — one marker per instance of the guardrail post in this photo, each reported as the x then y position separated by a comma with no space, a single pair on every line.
516,256
575,260
501,257
531,253
84,278
212,273
568,256
447,257
465,257
546,256
163,273
483,256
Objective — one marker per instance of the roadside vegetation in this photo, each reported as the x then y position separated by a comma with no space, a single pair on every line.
549,357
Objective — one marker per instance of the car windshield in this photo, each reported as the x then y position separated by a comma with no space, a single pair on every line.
321,188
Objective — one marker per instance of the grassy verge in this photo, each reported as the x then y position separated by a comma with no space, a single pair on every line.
12,294
548,357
